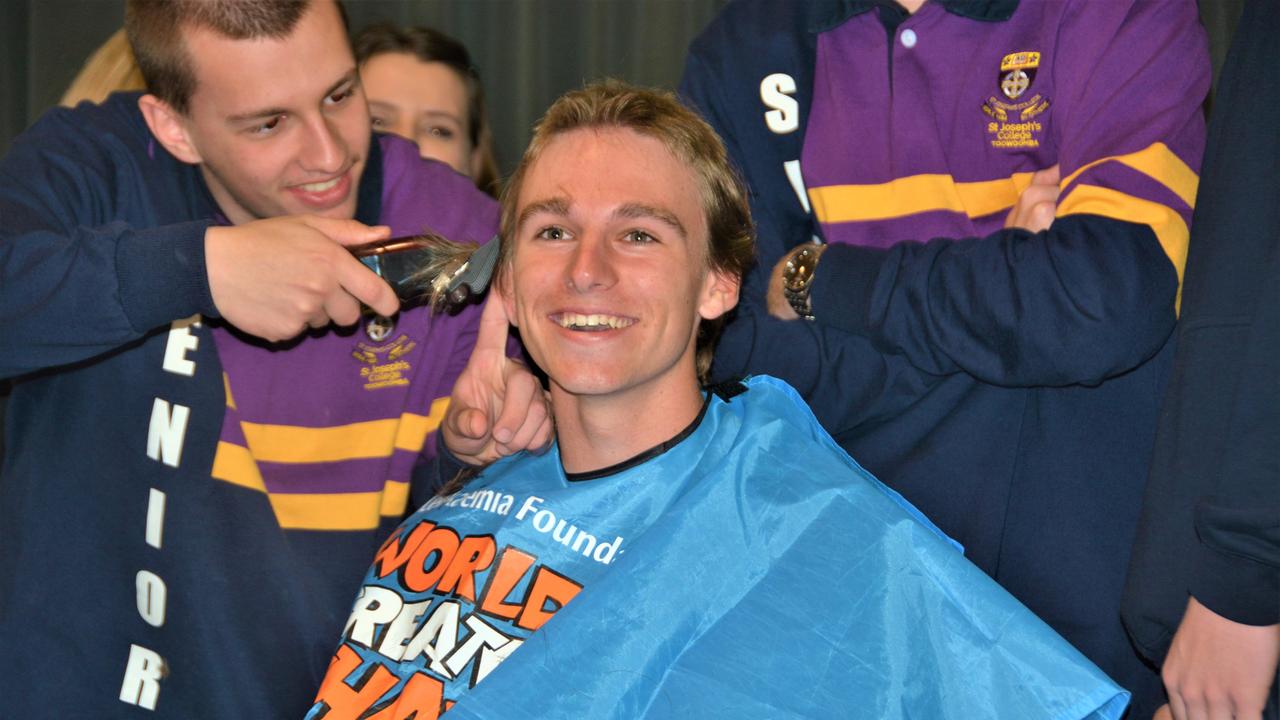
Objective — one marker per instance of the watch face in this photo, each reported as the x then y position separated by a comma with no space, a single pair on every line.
799,270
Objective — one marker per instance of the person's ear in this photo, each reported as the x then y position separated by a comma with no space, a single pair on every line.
719,294
169,128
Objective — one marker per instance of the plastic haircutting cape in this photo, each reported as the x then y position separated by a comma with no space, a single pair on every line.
788,583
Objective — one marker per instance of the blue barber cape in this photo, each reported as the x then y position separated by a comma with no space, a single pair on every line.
784,582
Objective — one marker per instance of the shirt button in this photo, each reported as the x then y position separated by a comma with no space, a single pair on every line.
909,38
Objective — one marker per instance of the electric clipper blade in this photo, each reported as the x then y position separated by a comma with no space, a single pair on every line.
427,269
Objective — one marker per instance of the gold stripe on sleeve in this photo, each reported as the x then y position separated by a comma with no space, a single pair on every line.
1168,225
1170,229
1157,162
916,194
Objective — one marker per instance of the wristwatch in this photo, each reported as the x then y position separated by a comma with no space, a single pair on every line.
797,278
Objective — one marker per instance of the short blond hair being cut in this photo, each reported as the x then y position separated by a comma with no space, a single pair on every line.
659,115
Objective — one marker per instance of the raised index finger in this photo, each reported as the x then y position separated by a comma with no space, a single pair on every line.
494,326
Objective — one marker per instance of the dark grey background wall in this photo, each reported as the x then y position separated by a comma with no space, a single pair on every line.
529,51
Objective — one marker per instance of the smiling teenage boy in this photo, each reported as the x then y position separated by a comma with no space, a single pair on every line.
185,506
675,541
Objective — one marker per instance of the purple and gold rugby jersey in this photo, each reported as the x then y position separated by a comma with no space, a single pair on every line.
330,429
974,107
1006,383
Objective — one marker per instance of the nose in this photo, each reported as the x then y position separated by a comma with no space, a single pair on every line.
324,150
593,265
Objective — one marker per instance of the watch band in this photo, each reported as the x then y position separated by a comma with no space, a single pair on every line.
797,278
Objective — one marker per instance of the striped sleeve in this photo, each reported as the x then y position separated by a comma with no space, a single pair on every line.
1133,130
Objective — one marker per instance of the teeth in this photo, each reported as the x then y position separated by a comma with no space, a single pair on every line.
578,320
320,186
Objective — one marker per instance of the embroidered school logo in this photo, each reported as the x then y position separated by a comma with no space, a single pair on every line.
1012,122
1017,72
384,365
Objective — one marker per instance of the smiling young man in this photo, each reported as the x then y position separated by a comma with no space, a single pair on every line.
184,505
611,245
680,551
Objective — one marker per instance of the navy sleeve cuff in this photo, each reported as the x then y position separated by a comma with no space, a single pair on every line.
1234,573
843,286
162,274
1237,589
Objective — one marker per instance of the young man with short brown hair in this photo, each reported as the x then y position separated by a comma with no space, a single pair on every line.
184,501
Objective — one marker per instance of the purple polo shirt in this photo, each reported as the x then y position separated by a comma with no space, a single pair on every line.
949,136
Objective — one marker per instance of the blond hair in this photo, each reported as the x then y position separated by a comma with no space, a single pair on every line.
659,115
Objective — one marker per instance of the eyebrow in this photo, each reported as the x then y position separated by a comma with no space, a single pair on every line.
551,206
350,76
436,117
630,211
636,211
442,114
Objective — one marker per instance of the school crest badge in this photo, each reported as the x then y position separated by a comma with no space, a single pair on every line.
1012,111
1017,73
